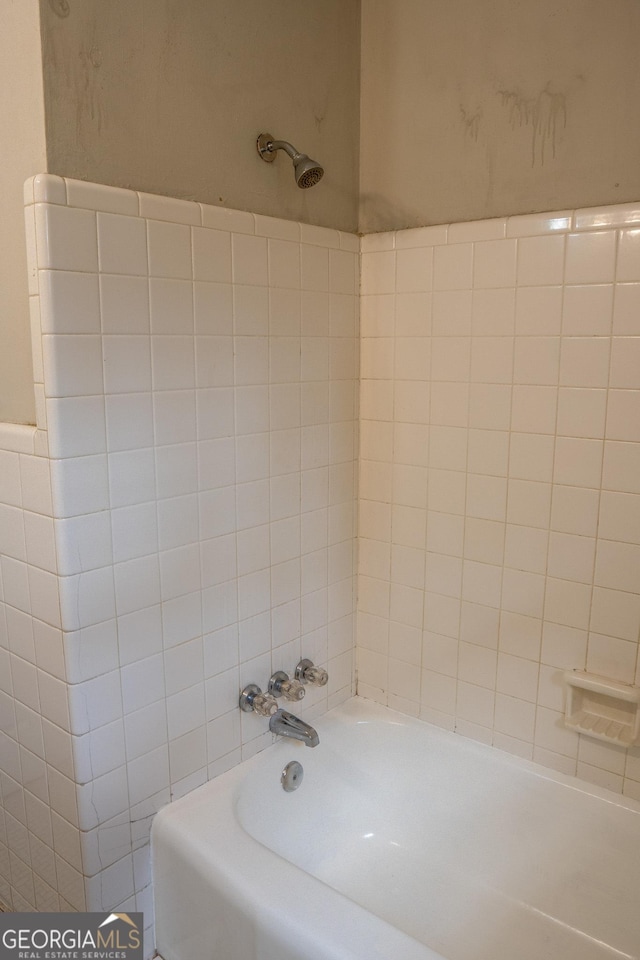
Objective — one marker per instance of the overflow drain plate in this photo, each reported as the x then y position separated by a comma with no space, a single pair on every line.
291,776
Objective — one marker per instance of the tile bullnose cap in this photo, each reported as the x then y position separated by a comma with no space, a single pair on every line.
45,188
474,231
349,241
432,236
154,206
319,236
277,228
17,437
102,198
378,242
614,215
27,191
538,224
226,218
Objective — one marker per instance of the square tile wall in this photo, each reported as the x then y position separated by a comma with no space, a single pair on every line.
196,375
195,382
499,511
39,836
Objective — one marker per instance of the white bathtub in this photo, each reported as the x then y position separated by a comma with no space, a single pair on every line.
403,842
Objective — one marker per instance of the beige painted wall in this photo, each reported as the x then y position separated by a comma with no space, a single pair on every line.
22,154
168,96
481,108
470,109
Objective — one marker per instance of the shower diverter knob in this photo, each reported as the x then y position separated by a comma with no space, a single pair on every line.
281,686
308,673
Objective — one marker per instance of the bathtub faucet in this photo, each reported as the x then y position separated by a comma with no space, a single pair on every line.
284,724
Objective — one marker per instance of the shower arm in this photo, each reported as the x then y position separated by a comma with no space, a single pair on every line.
290,150
307,171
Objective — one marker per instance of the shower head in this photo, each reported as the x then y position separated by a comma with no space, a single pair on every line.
306,171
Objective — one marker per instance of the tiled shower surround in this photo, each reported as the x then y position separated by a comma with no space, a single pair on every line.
181,523
500,476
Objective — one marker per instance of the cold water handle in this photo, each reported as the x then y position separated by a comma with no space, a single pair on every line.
306,672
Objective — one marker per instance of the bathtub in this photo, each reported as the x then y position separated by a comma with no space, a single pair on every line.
402,842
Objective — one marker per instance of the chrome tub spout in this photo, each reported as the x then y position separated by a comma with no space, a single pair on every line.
285,724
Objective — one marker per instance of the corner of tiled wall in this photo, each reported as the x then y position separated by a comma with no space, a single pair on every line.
499,494
196,373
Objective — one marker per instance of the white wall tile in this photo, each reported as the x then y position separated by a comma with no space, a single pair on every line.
623,412
625,362
173,363
72,365
129,421
10,482
69,302
626,318
453,267
581,412
40,541
122,244
494,264
414,269
124,304
628,255
127,364
535,410
76,426
584,361
587,310
67,238
378,272
541,260
171,306
590,257
169,246
621,466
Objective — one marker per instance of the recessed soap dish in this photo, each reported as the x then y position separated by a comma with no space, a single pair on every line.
602,708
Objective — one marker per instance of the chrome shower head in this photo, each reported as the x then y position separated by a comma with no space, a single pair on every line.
306,171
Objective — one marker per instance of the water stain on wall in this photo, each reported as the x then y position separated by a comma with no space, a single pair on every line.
61,8
545,114
471,122
87,83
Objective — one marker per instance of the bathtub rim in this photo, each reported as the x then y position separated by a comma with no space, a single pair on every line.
362,708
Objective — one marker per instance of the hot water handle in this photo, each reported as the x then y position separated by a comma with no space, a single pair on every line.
252,699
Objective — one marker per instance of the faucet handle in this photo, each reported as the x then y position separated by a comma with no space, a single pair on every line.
253,699
306,672
281,686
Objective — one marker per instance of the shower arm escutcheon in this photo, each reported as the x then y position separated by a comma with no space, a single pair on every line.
268,147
